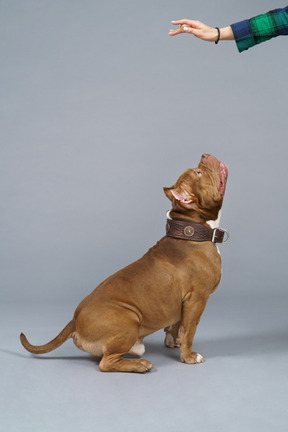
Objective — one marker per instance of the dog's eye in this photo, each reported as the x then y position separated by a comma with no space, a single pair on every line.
199,173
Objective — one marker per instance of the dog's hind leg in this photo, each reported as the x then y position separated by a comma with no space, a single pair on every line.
121,342
116,363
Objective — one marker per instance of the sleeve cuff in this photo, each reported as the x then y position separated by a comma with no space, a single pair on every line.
243,35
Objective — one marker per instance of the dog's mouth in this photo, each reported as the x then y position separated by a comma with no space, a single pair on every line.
223,178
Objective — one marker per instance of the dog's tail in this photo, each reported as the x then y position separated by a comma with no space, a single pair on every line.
65,334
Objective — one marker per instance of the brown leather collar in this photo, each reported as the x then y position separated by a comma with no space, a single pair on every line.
194,232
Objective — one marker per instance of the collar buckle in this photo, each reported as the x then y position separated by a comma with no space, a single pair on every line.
216,230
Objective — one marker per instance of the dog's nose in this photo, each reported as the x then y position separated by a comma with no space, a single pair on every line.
205,156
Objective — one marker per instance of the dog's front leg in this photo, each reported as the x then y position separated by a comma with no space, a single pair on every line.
192,309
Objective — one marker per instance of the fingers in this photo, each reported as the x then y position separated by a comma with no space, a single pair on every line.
183,29
191,23
175,32
178,31
186,26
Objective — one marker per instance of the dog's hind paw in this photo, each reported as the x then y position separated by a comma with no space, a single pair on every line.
144,366
122,365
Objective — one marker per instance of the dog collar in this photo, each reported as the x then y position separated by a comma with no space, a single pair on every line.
195,232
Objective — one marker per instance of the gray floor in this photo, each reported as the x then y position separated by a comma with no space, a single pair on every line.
241,386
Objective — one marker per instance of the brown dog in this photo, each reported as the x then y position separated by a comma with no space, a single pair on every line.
167,288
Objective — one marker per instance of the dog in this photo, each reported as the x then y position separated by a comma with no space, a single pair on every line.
167,288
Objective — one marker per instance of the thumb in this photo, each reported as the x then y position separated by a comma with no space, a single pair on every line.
187,29
192,30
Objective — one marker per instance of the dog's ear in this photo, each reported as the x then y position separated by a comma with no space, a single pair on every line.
183,198
167,191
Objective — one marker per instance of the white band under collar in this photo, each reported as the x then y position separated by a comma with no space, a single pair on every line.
168,215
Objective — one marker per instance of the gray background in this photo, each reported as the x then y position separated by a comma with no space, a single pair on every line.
101,109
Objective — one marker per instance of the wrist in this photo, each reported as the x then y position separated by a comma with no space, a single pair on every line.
214,34
226,33
218,35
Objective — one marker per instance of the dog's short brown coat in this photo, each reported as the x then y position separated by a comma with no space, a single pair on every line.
167,288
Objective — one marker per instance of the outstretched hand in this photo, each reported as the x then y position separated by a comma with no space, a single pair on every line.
197,28
201,30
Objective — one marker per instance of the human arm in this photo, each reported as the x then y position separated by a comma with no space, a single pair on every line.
201,30
246,33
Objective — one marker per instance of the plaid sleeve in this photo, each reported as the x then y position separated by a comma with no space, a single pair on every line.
261,28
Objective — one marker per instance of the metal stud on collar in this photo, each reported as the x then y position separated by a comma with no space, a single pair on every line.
189,231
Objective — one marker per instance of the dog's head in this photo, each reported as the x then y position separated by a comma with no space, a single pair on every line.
199,192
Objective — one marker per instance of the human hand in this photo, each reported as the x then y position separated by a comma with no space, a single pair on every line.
197,28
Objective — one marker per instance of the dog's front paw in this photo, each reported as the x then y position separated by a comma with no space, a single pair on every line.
192,358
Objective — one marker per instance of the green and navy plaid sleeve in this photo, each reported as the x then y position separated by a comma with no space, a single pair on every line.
261,28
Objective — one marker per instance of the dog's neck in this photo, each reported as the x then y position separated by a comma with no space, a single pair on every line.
215,223
212,223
